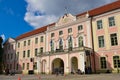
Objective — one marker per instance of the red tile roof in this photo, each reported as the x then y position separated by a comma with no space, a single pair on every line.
36,31
103,9
93,12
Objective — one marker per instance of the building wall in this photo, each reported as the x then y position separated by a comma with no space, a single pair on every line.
85,33
32,48
107,51
43,62
75,34
9,57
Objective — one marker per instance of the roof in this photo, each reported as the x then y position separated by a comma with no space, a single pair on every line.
103,9
36,31
97,11
9,40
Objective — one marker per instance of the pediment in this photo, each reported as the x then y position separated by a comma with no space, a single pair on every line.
67,18
10,40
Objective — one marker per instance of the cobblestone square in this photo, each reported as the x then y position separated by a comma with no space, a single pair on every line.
59,77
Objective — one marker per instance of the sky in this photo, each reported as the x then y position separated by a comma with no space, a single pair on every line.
20,16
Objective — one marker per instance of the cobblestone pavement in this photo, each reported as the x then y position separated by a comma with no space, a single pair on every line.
59,77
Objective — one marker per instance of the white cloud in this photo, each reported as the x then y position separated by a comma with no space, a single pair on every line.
3,37
43,12
37,21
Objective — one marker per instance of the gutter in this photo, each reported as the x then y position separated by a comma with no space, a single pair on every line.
91,18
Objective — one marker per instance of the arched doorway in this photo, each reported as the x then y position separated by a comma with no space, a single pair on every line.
58,66
74,65
43,66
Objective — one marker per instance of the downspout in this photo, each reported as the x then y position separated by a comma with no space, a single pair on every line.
15,55
91,18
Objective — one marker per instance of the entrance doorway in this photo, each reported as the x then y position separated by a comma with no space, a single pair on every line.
43,66
58,66
74,65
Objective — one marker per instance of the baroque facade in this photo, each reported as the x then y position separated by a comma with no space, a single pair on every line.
89,42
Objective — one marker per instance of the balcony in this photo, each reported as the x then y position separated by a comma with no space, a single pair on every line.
66,51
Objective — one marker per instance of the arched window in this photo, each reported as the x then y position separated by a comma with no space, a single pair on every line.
80,41
70,43
60,44
52,45
116,61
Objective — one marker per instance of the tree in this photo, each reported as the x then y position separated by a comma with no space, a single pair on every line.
1,53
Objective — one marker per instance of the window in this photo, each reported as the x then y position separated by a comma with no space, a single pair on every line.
99,24
41,39
8,56
23,67
28,42
103,62
52,45
36,51
69,30
35,65
17,55
4,56
80,27
52,34
101,41
114,40
116,61
70,43
60,32
36,40
7,65
60,44
41,50
23,54
11,56
12,46
17,66
80,43
27,66
111,21
8,47
18,45
10,66
28,53
24,43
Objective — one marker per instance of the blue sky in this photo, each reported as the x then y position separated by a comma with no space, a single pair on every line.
12,21
20,16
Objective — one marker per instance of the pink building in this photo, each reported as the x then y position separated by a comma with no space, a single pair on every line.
88,42
9,57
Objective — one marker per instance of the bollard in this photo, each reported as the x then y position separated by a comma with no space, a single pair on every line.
19,78
39,77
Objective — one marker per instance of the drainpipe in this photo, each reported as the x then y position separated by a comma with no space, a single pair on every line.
15,56
91,18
